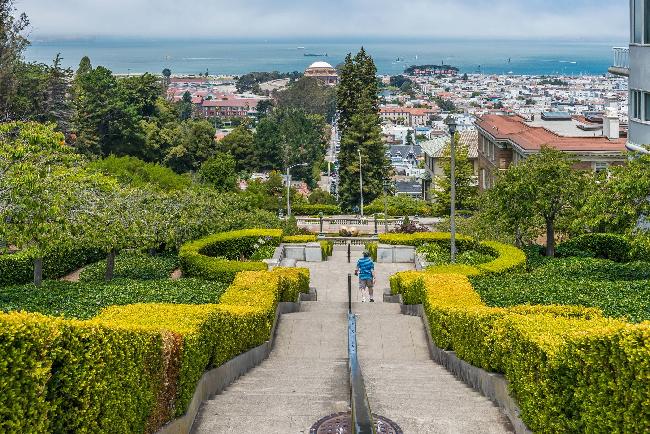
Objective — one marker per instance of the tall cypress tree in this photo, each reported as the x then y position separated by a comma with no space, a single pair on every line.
360,125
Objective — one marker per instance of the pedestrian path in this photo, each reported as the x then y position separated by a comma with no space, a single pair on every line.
305,378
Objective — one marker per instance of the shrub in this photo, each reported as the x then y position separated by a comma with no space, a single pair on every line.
570,369
315,209
507,258
327,247
86,299
222,256
18,268
68,376
604,246
136,173
299,239
133,265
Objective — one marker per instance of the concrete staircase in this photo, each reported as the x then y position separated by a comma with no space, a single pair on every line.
406,386
303,380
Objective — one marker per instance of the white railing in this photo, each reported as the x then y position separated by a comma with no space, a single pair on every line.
621,57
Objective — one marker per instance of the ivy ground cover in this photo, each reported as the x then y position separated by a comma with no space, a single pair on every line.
84,300
621,290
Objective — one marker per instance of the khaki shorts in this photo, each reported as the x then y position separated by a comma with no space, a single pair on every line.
365,283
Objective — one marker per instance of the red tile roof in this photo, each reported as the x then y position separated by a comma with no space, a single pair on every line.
531,138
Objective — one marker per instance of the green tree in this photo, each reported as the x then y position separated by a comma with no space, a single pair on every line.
166,73
466,189
12,44
240,144
185,106
409,138
508,206
58,107
617,199
309,95
269,144
193,143
557,189
360,127
220,172
35,186
321,197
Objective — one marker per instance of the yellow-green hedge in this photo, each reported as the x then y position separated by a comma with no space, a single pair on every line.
571,369
221,256
72,376
132,368
508,258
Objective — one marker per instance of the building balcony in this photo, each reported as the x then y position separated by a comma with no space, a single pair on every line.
621,62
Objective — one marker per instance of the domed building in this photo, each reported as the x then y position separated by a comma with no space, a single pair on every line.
324,72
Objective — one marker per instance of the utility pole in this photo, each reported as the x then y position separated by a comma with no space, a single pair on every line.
360,182
451,122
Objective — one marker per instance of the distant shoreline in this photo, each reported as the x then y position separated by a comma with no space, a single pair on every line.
489,57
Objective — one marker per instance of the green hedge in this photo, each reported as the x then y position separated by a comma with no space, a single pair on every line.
507,258
70,376
570,369
18,268
310,210
132,368
399,206
604,246
133,265
221,256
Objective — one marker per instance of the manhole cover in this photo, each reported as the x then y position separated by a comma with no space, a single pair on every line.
341,423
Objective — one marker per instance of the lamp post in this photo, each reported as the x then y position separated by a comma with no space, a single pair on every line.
289,186
360,182
451,123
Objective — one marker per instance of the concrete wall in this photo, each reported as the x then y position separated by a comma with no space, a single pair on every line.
639,132
389,254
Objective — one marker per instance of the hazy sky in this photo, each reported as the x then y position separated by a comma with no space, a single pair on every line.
239,19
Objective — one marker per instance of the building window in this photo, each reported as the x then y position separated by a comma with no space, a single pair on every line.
637,21
646,106
635,104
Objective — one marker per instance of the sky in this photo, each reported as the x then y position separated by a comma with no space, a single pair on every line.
244,19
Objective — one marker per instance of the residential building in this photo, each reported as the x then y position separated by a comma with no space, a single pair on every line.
409,116
509,139
634,62
435,155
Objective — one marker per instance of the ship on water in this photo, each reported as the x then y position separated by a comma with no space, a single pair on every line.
315,55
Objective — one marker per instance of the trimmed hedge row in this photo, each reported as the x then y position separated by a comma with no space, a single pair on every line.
508,258
134,367
18,268
68,376
221,256
552,356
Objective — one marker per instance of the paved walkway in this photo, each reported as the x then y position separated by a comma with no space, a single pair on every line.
306,377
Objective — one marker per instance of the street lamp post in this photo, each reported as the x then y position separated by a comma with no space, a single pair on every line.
451,123
360,182
289,186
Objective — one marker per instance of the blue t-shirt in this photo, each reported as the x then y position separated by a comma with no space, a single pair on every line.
365,266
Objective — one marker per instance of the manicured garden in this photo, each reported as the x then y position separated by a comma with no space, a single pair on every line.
566,332
126,355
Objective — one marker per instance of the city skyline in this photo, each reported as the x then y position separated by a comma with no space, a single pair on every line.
357,18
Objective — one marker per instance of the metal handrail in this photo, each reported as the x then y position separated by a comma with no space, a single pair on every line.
362,422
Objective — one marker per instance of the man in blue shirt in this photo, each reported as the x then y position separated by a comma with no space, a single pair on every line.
366,272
